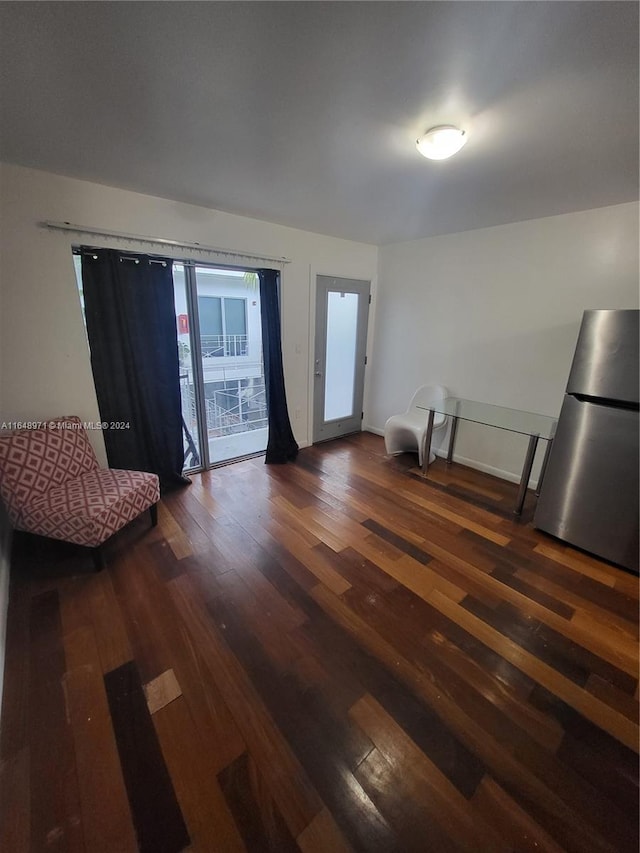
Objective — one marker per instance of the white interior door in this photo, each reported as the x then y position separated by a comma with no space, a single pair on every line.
342,312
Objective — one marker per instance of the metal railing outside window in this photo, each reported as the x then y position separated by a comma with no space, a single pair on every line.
229,411
221,346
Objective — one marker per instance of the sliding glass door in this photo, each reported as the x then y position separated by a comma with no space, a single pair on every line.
221,370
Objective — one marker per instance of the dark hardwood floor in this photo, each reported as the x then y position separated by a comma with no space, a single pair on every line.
326,656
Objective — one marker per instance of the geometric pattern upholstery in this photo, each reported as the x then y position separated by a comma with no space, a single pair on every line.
90,509
52,485
34,460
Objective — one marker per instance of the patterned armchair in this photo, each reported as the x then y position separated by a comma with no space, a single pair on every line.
51,485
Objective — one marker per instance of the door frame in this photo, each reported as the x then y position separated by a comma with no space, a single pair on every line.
191,294
364,288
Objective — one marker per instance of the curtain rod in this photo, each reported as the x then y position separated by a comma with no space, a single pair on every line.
160,241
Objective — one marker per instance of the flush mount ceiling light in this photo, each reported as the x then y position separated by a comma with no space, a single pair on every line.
441,142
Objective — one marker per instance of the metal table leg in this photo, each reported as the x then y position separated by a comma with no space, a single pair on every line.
426,449
452,434
452,439
526,472
545,461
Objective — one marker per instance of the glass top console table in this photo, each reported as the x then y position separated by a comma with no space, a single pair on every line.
527,423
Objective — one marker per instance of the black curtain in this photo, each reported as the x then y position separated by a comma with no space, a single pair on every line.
131,326
281,445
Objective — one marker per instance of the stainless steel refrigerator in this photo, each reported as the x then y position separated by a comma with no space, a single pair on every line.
589,494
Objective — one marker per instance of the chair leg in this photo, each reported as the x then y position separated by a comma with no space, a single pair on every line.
98,558
153,512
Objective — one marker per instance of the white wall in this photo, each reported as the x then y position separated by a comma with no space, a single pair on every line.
493,314
43,351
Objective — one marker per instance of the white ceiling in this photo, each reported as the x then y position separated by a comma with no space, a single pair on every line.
306,113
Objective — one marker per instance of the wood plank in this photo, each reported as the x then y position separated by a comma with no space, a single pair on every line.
251,570
544,797
312,559
178,542
157,817
622,656
209,821
321,835
303,577
291,522
111,636
75,612
161,691
615,698
418,578
90,602
460,519
310,723
627,583
625,653
296,798
215,506
56,817
593,593
591,707
400,797
353,673
106,817
258,618
611,768
362,573
256,814
595,613
14,734
523,833
547,597
559,554
327,494
295,592
193,520
459,496
444,803
162,640
549,646
464,676
607,770
138,595
303,521
164,560
402,543
14,794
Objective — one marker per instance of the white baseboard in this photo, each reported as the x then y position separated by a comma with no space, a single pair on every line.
509,476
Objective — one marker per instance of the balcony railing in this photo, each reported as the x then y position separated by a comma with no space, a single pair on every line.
229,413
221,346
